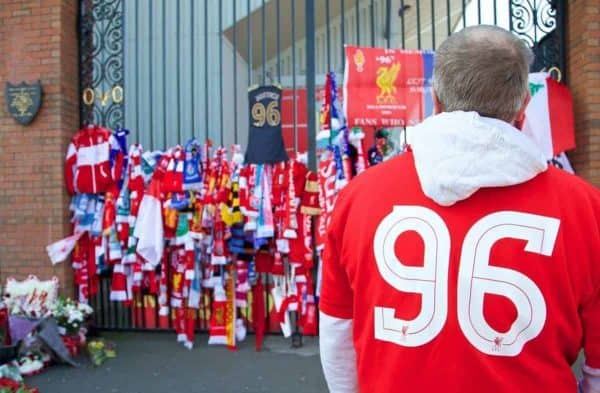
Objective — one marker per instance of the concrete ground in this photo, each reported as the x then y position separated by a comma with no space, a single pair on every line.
155,363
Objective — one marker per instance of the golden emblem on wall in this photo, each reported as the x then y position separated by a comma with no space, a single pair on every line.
23,101
386,81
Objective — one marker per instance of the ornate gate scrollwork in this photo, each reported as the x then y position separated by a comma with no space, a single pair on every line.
540,23
101,48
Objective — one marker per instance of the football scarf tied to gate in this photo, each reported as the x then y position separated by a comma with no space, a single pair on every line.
340,155
190,233
382,88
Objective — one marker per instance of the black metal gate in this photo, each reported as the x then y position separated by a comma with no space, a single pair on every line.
176,46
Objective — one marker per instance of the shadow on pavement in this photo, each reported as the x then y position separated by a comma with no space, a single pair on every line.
155,363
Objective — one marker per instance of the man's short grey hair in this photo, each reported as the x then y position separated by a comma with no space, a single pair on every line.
482,69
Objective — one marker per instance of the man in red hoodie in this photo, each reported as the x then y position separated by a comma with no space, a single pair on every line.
474,267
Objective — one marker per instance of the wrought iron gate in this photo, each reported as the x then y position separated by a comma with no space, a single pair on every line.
101,74
169,70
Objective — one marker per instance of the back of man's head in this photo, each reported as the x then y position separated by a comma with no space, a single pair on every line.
483,69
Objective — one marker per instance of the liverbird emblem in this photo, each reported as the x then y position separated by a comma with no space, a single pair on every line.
404,332
22,102
498,344
386,80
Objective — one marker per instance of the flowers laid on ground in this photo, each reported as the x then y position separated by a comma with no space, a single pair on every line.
33,363
70,315
71,318
30,298
101,350
27,300
19,306
42,319
11,380
9,386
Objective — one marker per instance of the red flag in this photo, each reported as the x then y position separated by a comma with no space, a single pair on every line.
560,108
549,120
384,87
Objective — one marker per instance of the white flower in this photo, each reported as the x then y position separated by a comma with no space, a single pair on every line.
76,316
86,309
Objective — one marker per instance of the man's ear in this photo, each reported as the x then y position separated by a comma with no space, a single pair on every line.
520,118
437,104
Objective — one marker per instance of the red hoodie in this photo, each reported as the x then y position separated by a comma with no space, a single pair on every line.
495,289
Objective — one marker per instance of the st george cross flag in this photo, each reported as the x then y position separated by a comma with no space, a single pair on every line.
60,250
549,116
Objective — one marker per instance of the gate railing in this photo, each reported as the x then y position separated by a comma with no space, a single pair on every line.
170,70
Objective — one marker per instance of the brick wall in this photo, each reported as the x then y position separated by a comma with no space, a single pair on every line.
583,59
38,40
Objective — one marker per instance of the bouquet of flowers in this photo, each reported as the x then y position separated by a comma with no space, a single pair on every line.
100,351
70,315
22,307
30,298
11,381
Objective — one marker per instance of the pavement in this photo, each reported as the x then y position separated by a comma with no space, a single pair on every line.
155,363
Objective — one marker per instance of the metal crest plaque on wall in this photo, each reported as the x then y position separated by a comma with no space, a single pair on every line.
23,101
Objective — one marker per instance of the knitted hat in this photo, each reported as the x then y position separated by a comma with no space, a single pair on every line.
173,180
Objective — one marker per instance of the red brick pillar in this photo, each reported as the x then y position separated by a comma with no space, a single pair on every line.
38,40
583,59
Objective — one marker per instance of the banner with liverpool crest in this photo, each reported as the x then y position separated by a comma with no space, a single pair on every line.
387,87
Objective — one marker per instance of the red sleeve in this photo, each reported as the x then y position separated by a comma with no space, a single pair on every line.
590,316
337,297
590,309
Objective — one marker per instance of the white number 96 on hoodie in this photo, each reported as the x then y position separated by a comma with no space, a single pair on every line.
464,265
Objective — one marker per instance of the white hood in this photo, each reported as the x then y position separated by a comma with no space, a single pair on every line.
457,153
